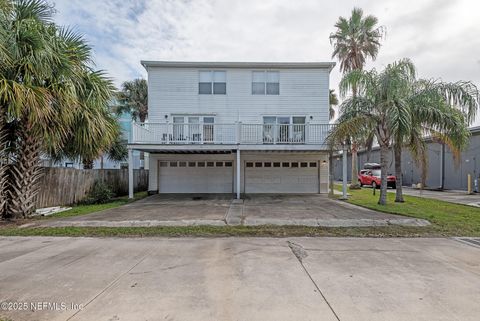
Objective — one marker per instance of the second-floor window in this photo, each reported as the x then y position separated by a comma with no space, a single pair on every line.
265,83
212,82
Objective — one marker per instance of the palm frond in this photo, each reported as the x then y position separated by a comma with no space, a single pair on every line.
463,95
355,39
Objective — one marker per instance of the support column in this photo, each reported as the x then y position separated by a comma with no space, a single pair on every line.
345,173
130,173
330,175
238,174
442,167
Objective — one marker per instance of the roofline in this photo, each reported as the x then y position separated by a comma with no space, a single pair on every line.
237,64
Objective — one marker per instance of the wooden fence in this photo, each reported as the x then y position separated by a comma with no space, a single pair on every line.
65,186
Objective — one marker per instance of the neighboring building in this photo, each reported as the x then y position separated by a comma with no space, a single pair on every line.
236,127
125,121
454,173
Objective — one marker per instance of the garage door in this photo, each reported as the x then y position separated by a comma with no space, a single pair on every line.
281,177
195,177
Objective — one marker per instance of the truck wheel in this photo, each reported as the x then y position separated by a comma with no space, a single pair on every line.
360,183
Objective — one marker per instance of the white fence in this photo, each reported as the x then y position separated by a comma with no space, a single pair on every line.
239,133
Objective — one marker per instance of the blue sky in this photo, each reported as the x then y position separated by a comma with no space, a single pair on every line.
440,36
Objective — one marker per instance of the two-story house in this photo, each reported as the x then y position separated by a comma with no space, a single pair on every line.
236,127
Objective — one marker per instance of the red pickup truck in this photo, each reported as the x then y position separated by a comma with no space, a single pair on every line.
371,176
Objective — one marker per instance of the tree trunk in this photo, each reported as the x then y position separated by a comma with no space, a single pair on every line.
397,149
87,163
3,171
383,176
354,183
24,176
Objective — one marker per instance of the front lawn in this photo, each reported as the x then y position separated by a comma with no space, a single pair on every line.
77,210
221,231
82,209
446,218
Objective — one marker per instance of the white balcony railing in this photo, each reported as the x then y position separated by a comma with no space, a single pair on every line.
239,133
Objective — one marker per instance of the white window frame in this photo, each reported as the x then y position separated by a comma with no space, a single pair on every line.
265,82
212,81
285,116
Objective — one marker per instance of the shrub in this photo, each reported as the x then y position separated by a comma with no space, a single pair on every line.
100,193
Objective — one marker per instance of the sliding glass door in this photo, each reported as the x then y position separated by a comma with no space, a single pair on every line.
208,127
283,129
178,129
298,130
269,133
193,129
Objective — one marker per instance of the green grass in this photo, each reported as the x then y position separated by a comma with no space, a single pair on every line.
447,219
219,231
83,209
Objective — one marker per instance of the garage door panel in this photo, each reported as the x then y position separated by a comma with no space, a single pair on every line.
281,179
216,179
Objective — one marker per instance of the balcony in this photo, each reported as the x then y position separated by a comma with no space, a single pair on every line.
229,134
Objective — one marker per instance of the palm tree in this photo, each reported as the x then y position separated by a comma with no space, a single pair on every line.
118,151
355,40
48,94
3,167
440,110
333,99
133,99
333,102
93,129
374,107
395,105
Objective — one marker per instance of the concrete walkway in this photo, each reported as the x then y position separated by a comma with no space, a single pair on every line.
346,279
221,210
459,197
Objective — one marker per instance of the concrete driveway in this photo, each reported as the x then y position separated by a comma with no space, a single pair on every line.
221,210
240,279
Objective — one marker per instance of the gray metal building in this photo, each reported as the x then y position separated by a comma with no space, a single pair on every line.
455,174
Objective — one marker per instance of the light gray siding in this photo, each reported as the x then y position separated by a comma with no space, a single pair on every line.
456,172
303,92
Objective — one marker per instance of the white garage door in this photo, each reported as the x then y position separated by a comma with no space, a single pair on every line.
195,177
281,177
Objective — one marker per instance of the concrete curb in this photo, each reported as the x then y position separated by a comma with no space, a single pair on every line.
246,222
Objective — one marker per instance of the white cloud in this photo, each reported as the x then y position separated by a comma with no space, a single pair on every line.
440,36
